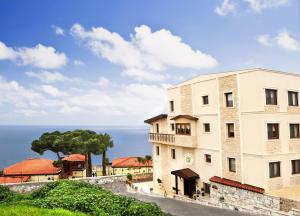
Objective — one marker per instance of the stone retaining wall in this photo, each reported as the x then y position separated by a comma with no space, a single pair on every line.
242,200
288,205
116,184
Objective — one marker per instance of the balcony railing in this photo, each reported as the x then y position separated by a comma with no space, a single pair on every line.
172,139
165,138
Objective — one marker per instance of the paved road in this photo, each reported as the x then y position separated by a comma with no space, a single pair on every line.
180,208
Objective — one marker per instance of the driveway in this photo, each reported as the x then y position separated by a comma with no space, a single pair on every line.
180,208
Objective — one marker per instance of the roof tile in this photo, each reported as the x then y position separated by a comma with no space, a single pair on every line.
236,184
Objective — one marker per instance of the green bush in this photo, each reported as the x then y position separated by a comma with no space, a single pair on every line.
83,197
129,177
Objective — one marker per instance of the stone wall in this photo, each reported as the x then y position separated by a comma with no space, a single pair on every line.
287,204
231,147
116,184
186,99
242,200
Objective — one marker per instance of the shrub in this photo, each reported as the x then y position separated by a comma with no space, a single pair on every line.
129,177
83,197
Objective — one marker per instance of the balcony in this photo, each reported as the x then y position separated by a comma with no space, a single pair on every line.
162,138
174,139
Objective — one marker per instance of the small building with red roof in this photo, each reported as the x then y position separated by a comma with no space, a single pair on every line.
74,166
32,169
131,165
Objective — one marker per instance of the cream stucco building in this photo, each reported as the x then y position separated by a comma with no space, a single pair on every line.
240,125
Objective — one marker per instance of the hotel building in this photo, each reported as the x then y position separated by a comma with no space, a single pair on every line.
241,126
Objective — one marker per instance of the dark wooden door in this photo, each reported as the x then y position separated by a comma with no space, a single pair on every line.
189,187
207,188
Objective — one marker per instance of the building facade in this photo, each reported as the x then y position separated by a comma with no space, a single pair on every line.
130,165
241,126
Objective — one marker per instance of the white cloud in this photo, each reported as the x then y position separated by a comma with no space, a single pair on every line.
6,52
47,102
283,40
39,56
228,6
47,76
102,81
147,55
58,30
31,112
11,92
259,5
78,62
52,91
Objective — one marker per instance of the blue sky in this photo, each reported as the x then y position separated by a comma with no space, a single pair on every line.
109,62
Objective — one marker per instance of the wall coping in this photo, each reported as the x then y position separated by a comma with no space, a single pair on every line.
75,179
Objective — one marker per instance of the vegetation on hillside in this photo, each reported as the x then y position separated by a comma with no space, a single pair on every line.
80,197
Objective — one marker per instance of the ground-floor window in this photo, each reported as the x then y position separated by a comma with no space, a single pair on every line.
157,150
231,163
274,169
173,154
207,158
295,166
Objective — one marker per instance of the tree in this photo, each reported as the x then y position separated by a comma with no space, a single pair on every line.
52,142
106,142
145,160
86,142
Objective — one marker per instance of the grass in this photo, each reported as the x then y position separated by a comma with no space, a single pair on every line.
18,210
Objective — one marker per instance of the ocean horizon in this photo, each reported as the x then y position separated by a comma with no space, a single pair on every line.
15,141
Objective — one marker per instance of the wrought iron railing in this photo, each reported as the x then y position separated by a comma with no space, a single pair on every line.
158,137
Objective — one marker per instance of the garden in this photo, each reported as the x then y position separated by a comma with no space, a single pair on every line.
73,198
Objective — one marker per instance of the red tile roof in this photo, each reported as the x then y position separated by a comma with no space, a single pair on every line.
129,162
237,184
13,179
34,166
75,157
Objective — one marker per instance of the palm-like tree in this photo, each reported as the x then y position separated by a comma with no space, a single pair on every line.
145,160
107,142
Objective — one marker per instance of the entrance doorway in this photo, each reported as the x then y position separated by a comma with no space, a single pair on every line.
189,187
206,188
189,181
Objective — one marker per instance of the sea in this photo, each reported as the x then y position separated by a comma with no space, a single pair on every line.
15,142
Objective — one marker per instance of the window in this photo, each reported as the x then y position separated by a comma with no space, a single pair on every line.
273,131
271,97
295,166
206,127
230,130
172,106
205,100
183,129
229,99
293,98
157,150
157,128
207,158
172,127
274,169
173,153
231,163
294,131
